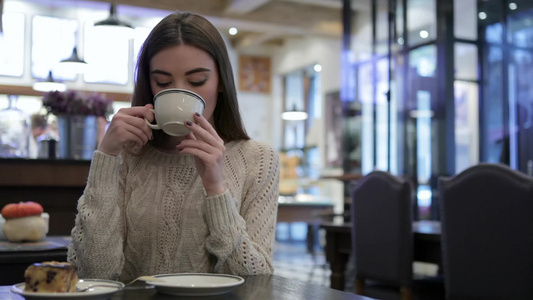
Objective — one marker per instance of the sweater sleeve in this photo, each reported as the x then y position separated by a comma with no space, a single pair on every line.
243,241
96,248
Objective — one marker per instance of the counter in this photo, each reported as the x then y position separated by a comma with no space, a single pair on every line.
55,184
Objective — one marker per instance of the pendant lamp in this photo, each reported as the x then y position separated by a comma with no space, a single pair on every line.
49,84
294,115
112,25
74,62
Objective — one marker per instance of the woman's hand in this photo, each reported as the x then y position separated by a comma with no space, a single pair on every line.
127,126
208,150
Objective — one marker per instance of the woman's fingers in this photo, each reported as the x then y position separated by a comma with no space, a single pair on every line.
202,121
208,157
127,126
204,131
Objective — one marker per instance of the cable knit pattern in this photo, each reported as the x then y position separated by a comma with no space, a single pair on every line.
149,214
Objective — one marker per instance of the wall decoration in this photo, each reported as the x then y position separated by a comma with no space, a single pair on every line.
254,74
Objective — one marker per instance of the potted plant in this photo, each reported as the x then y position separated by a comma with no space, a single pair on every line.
77,114
75,103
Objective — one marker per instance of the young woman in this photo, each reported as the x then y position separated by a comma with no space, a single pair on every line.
159,204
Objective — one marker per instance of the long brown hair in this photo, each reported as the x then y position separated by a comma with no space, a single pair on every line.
185,28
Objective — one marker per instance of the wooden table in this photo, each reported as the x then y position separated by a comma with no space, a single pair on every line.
338,248
16,257
310,212
263,287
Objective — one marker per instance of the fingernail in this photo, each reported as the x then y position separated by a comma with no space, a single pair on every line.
189,123
197,114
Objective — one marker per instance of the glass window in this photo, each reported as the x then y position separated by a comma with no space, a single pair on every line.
107,56
466,125
521,108
365,95
52,40
466,61
421,21
495,140
489,15
493,33
12,45
382,30
382,109
423,133
520,32
422,95
465,19
424,61
399,23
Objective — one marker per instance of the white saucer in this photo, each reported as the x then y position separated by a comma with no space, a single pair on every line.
195,284
96,293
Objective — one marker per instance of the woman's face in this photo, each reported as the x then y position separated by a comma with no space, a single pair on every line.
186,67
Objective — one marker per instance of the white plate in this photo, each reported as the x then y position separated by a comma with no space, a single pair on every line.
195,284
96,293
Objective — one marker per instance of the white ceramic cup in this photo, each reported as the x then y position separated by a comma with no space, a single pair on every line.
173,107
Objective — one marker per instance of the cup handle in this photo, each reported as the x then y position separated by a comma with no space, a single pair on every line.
153,126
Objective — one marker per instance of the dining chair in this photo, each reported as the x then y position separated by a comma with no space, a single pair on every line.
487,233
382,235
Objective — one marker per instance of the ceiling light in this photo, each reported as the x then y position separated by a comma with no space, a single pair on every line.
424,34
112,25
74,63
294,115
49,84
513,6
317,68
482,15
233,31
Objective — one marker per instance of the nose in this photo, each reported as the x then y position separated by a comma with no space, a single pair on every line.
179,84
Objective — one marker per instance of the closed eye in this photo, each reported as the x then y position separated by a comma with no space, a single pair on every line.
162,84
197,83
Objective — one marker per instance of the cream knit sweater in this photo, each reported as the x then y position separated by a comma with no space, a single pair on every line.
149,214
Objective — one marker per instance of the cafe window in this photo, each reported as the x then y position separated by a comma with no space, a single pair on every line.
12,45
52,40
108,57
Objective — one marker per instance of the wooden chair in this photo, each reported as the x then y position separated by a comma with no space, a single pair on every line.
487,233
382,236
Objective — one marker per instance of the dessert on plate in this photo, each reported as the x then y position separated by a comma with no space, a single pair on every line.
51,277
24,222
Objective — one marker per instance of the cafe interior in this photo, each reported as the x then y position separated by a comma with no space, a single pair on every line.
404,130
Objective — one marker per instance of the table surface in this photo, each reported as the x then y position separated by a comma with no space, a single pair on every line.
264,287
49,243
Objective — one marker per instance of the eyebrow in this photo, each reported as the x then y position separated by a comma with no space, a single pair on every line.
197,70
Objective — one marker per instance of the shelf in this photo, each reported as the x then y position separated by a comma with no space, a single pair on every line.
29,91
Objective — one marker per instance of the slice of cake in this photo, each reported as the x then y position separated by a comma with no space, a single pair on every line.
51,277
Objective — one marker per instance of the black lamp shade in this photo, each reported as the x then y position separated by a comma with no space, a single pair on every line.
74,58
112,20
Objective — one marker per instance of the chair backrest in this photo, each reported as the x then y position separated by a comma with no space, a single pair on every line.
487,233
382,235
